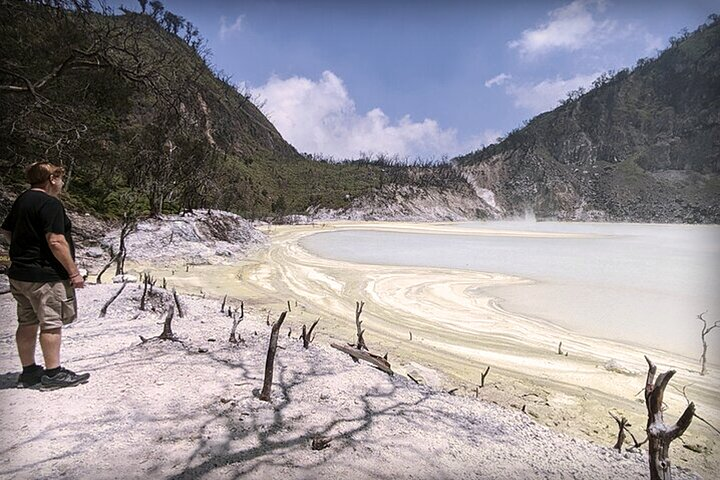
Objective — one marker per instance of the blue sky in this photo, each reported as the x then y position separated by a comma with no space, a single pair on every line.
423,79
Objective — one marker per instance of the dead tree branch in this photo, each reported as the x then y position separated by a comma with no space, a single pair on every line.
113,259
177,304
684,393
270,360
622,428
103,310
376,360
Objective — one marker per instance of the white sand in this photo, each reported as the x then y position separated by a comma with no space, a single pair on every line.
178,422
163,410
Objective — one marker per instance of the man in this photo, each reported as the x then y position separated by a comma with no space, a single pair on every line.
43,276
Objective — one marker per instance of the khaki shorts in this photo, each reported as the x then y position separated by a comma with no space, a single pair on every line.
51,304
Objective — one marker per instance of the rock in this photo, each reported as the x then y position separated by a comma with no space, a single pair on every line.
613,365
125,279
94,252
4,284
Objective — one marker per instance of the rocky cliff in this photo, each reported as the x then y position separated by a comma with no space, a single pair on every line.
644,145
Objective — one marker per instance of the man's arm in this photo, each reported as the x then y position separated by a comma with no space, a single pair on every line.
60,248
6,234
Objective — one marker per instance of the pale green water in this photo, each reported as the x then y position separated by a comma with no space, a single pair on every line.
643,284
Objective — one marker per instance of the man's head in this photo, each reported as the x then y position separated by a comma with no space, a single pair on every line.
46,176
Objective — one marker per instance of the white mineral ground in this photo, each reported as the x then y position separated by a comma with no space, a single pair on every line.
457,334
162,410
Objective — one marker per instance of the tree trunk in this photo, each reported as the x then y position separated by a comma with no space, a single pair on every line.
167,333
360,345
270,360
659,434
378,361
703,357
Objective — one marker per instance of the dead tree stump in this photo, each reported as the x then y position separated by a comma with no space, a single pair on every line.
622,427
660,435
483,376
307,335
270,360
167,333
236,321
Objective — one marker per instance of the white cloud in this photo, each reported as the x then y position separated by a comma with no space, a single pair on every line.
571,27
498,80
487,137
545,95
320,117
653,43
226,29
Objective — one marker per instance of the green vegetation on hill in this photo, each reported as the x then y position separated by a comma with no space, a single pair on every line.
128,104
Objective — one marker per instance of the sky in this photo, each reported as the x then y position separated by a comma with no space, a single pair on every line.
423,79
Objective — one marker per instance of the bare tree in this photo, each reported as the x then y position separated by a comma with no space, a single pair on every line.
128,226
703,333
660,435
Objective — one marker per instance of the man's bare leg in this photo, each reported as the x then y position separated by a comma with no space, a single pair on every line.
26,339
50,344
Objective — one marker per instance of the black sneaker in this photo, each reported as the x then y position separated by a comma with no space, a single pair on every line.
31,378
65,378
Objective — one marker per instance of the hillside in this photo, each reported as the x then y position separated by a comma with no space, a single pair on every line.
644,145
131,105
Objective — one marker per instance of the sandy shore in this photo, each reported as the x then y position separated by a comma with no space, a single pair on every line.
457,332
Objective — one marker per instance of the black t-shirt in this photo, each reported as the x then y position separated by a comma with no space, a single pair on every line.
33,215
